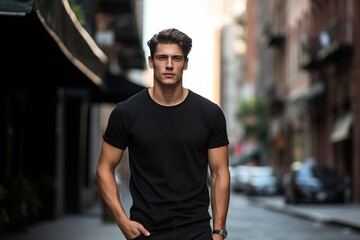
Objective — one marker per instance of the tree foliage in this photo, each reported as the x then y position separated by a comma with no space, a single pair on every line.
79,11
253,115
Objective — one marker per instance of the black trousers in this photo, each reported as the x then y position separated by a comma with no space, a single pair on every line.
194,231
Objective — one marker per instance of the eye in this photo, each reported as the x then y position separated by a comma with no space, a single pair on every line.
162,58
178,58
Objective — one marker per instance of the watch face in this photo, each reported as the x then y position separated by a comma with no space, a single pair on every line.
223,233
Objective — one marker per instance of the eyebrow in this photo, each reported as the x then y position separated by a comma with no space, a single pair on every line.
164,54
172,56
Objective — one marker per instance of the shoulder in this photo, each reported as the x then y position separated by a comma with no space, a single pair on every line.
128,106
130,102
203,101
210,111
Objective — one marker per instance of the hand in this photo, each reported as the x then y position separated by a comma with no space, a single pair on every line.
217,237
133,229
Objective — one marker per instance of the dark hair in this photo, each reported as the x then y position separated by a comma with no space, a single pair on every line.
171,35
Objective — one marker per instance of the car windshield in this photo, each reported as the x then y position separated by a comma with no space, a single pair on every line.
317,172
305,172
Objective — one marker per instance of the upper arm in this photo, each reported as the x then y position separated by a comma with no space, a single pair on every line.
110,157
218,159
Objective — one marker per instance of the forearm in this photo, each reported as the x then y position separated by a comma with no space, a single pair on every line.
220,197
110,193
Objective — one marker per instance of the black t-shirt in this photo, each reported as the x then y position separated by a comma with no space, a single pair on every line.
168,159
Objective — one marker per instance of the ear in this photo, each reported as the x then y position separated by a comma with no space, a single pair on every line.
150,62
186,64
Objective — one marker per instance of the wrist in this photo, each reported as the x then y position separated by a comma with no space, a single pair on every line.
220,232
217,237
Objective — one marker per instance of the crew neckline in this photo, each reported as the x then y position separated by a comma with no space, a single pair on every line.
166,106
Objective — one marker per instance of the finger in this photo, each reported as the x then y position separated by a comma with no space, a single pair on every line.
143,230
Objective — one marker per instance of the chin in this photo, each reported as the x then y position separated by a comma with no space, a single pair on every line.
170,83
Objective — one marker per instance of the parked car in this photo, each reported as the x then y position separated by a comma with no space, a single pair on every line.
261,180
312,182
239,175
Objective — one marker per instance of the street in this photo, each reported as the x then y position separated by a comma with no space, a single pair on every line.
246,221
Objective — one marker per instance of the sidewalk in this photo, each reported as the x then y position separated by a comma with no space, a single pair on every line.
346,215
90,225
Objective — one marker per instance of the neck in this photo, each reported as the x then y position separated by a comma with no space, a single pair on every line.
168,96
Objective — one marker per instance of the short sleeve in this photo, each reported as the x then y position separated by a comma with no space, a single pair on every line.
219,136
116,132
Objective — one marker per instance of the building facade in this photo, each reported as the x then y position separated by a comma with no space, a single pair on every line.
56,78
315,85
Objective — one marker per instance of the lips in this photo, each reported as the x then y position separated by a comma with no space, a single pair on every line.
169,75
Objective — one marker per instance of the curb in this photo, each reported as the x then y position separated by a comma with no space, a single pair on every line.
311,216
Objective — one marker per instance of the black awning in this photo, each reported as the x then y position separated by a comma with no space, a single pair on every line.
48,47
80,48
16,7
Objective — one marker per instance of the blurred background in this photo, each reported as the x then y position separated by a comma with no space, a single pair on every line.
285,73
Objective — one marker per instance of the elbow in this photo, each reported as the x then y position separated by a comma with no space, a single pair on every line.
98,174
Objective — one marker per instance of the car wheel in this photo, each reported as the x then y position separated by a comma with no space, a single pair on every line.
287,199
296,200
340,199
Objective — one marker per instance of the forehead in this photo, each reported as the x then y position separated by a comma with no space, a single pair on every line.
168,49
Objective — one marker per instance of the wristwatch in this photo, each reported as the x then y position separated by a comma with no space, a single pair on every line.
221,232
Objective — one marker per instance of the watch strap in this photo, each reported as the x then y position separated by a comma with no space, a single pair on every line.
221,232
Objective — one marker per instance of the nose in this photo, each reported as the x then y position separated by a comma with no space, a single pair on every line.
169,63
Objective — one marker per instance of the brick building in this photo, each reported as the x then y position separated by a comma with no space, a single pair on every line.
316,82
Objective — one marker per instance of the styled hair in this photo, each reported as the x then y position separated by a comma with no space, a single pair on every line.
170,35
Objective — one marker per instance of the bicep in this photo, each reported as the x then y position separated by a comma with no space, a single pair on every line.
218,158
110,156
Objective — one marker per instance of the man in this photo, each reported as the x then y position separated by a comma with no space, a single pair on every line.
172,135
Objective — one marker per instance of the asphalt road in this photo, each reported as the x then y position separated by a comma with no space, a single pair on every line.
247,220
